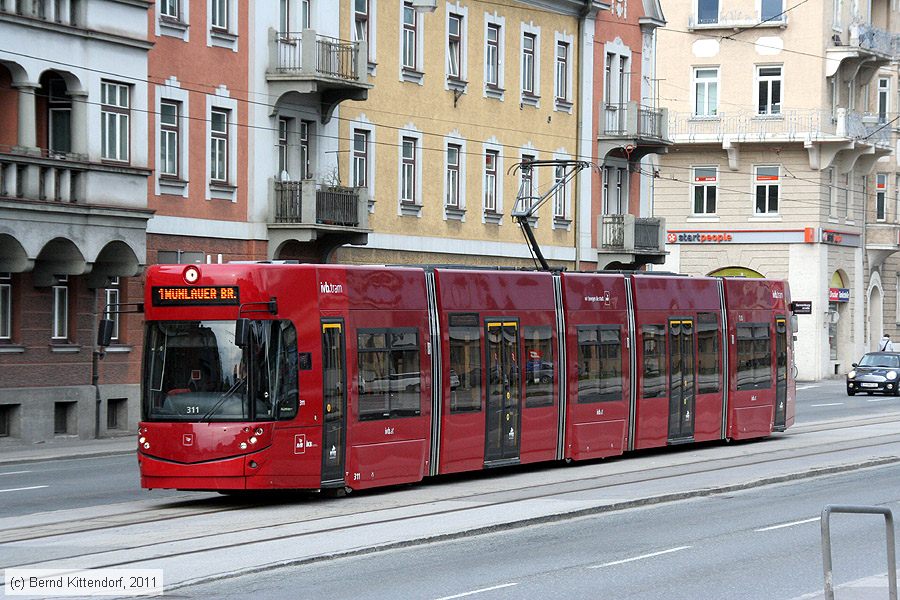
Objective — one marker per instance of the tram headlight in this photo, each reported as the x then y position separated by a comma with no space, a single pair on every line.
146,445
141,440
852,374
253,440
243,445
259,431
892,375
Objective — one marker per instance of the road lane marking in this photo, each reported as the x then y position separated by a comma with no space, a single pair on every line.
878,399
783,525
15,472
641,557
807,387
34,487
473,592
829,404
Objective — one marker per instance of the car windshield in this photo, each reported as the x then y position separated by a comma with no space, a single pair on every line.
193,371
891,361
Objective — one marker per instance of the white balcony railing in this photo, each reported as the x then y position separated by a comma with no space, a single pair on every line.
307,53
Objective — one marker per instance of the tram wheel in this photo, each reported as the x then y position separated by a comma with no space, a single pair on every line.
335,492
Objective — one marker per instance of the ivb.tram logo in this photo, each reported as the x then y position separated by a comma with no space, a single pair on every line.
331,288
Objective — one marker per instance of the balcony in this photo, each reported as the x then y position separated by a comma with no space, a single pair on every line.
309,63
842,136
61,212
629,242
868,49
882,240
633,130
325,217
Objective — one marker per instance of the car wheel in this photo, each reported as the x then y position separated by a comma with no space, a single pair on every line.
871,393
851,393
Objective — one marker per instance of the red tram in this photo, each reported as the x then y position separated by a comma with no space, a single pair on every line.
259,376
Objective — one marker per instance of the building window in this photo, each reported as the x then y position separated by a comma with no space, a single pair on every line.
490,180
706,92
884,90
529,43
304,14
562,71
169,9
305,168
832,191
453,153
454,46
63,417
6,418
361,20
836,15
410,34
112,299
769,90
615,193
218,159
492,62
169,113
389,373
61,309
707,11
5,306
219,14
284,125
771,10
60,115
559,197
527,183
599,363
766,190
360,157
704,184
881,196
408,171
114,120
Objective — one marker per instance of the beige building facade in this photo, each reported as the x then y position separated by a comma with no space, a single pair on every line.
460,96
771,171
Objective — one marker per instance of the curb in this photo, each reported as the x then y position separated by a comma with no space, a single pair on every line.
62,455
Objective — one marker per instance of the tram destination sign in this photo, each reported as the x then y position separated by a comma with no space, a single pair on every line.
201,295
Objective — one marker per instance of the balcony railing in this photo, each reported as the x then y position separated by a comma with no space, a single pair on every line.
295,202
308,53
629,234
630,119
790,125
42,178
875,39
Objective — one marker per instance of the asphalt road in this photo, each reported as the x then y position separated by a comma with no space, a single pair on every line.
764,543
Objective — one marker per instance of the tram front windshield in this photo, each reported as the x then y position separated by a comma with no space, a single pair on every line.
193,371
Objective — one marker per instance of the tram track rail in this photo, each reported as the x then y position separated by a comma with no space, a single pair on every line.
266,532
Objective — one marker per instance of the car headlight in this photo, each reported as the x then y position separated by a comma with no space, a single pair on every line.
892,375
851,375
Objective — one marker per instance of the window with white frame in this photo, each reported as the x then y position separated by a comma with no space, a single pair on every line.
771,10
305,14
408,170
115,116
559,197
766,189
705,187
284,128
529,60
490,180
409,37
169,135
61,309
768,81
492,59
615,190
219,146
306,130
897,205
169,9
454,152
360,158
707,12
706,91
562,71
881,196
5,306
837,7
112,313
361,21
218,15
284,17
832,191
884,90
526,185
454,46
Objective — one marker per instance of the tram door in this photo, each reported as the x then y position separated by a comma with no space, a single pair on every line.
503,391
334,400
780,371
681,380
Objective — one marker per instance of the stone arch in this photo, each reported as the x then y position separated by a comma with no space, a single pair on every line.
875,326
59,256
115,259
735,271
13,257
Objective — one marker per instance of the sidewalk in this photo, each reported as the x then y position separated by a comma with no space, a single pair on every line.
67,448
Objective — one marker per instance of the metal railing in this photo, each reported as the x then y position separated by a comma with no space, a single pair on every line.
634,120
627,233
316,54
333,205
826,544
337,206
875,39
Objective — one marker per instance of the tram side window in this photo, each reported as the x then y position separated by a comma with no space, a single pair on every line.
708,356
465,365
653,355
754,370
599,364
538,366
389,373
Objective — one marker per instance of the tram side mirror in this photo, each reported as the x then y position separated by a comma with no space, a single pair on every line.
105,332
242,333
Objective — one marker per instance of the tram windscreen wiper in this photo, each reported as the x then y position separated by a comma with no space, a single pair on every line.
228,394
